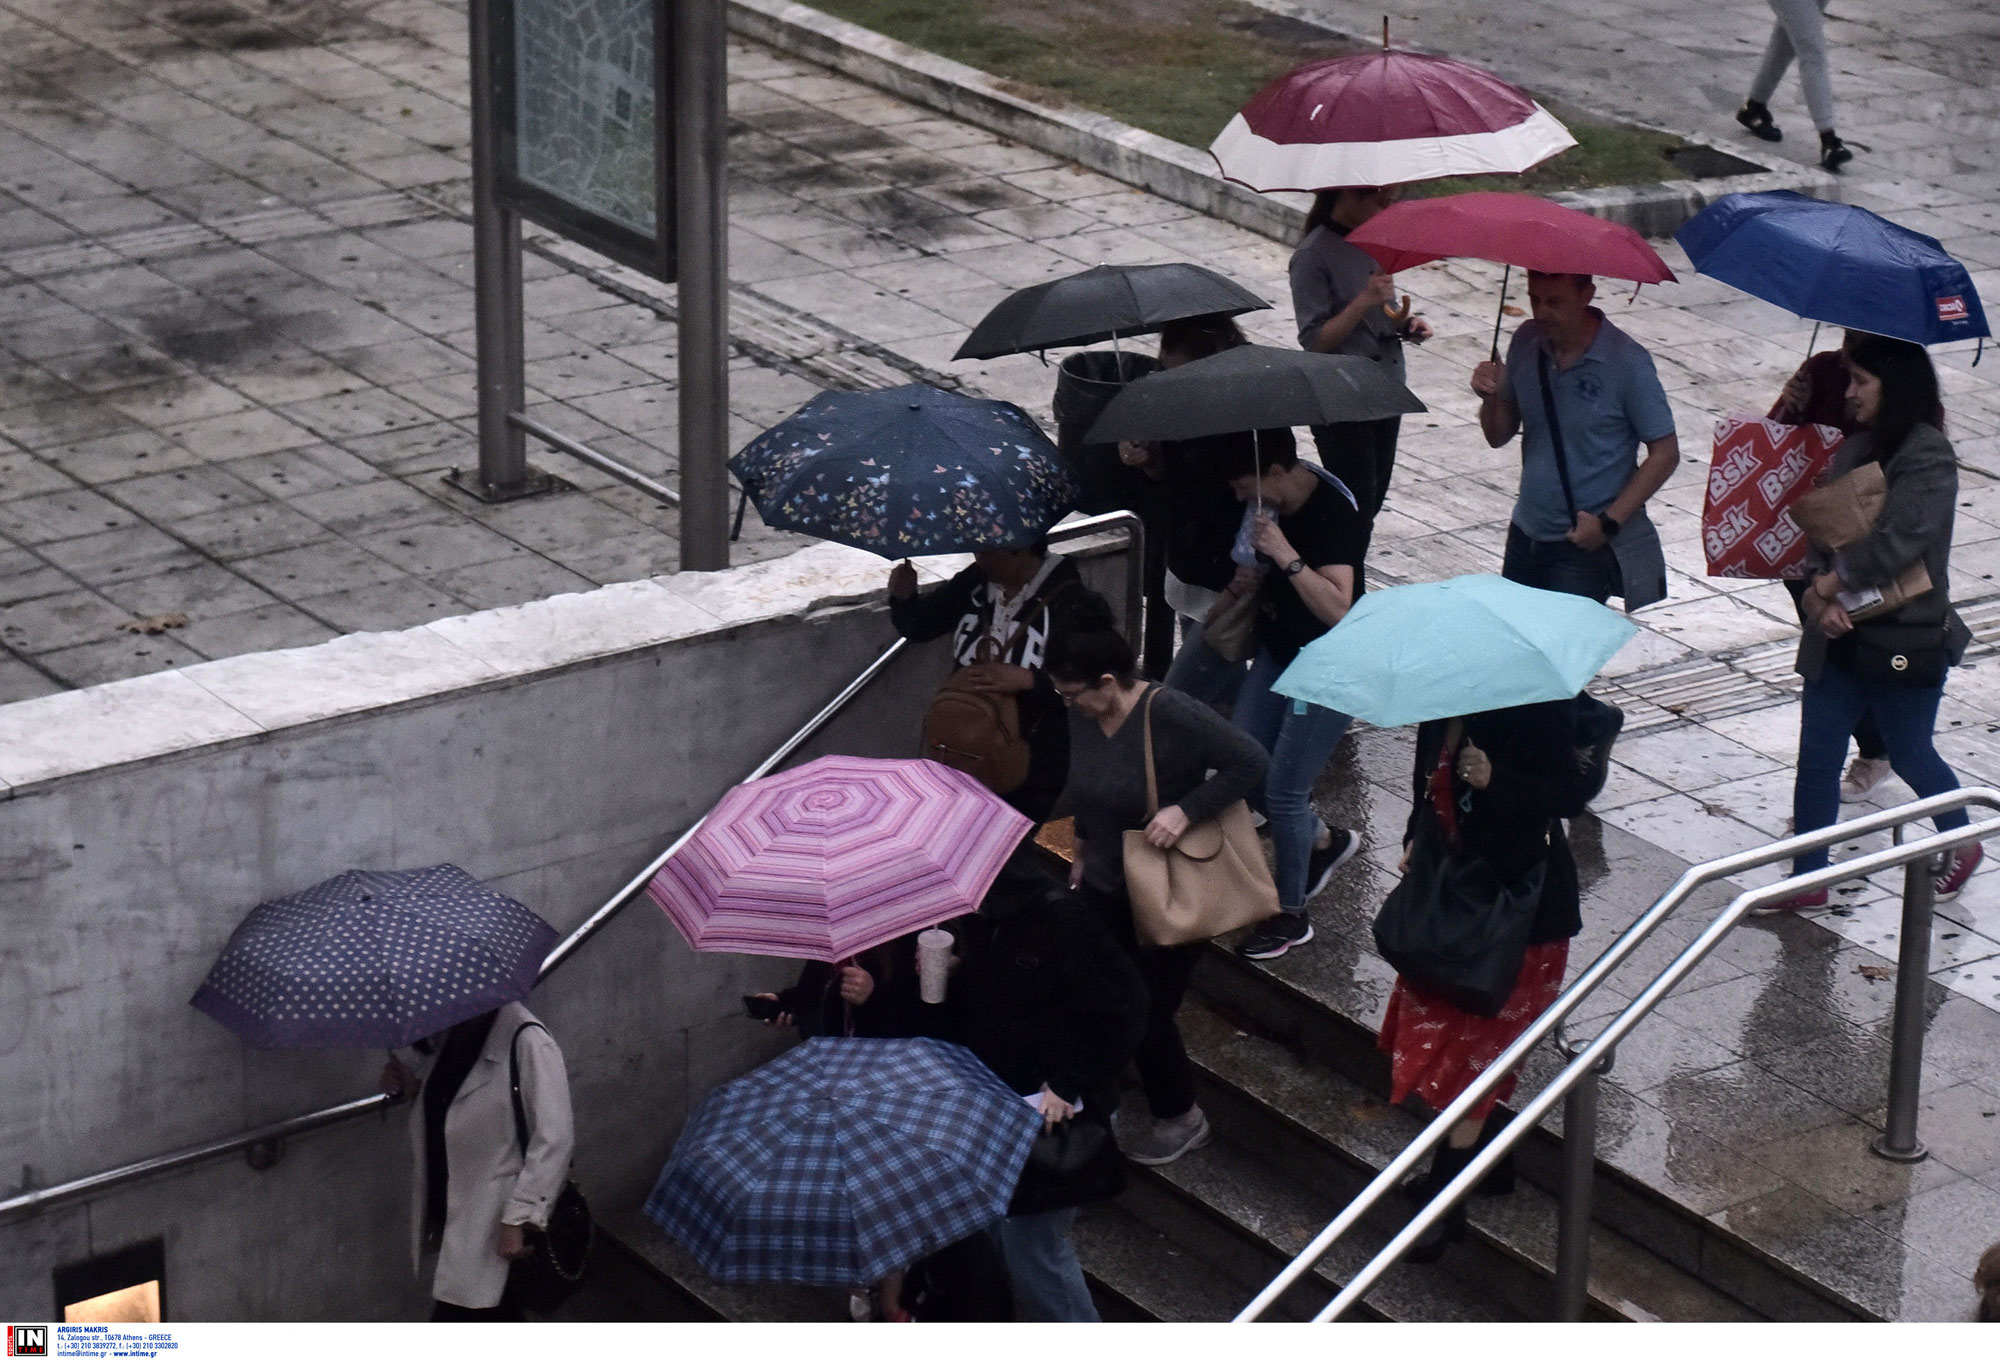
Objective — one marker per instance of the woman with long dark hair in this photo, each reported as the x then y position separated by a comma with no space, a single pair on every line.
1345,304
1891,666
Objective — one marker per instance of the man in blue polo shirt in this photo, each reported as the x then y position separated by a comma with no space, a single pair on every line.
1583,395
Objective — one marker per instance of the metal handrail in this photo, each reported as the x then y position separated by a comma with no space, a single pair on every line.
1595,1055
31,1200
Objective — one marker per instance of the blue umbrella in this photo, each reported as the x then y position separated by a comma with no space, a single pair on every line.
374,960
1836,263
843,1160
906,471
1446,648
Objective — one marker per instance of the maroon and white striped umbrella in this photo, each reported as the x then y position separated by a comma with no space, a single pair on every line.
837,856
1384,118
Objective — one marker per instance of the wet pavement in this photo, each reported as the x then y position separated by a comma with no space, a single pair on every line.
236,313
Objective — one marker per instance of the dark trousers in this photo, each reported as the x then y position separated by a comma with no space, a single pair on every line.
1828,709
1562,566
504,1311
1868,741
1156,651
1162,1060
1361,453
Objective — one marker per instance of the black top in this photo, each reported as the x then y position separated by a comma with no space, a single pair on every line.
1107,775
894,1010
1516,820
963,607
463,1043
1046,995
1326,531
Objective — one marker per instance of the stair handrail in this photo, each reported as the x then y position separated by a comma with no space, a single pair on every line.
1595,1055
31,1200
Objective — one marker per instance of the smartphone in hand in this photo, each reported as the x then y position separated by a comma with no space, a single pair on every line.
761,1007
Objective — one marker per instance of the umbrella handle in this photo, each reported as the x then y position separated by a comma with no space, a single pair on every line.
1505,274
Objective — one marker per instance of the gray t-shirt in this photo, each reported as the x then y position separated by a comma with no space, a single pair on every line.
1327,274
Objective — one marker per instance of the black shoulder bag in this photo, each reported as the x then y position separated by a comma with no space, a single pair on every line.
553,1268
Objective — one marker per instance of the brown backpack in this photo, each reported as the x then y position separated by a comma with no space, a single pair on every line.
979,731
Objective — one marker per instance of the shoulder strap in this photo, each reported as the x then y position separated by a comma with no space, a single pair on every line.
1555,428
1152,782
514,1082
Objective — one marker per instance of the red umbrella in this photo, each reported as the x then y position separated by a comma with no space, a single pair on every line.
1384,118
1510,229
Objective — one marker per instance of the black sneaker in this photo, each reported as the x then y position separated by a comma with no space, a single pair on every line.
1324,860
1276,936
1833,153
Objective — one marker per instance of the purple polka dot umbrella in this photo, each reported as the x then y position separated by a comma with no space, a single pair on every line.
373,959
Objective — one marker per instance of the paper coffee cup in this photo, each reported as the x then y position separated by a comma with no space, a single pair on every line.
933,963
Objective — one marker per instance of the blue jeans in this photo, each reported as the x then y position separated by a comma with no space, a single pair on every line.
1042,1268
1300,738
1199,670
1830,708
1563,567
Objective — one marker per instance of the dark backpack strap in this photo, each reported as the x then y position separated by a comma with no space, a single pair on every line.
514,1083
1555,429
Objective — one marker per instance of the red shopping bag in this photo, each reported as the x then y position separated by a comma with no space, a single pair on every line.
1758,468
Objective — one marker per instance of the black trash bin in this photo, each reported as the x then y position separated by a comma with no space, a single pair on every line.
1085,384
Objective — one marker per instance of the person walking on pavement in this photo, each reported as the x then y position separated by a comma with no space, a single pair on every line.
1346,305
1202,765
1892,665
1049,1000
1583,396
1800,31
1817,395
477,1191
1493,787
1310,540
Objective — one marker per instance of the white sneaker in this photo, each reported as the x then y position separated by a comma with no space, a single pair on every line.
1863,777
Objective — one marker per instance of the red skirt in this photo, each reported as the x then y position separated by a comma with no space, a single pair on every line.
1436,1050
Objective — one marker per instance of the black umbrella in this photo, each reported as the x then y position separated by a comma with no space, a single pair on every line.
1104,303
1252,387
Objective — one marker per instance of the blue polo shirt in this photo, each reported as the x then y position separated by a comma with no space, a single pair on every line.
1609,401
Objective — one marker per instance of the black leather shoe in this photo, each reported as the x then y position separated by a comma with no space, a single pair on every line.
1757,118
1833,152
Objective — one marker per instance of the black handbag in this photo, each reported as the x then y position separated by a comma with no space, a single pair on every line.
1454,927
543,1279
1076,1162
1909,655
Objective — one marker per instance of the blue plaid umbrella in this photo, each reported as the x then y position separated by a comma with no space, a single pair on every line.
843,1160
907,471
374,960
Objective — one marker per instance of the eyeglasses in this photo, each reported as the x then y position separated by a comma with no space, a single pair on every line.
1070,696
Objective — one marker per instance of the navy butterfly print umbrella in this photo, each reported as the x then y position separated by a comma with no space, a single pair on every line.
374,960
907,471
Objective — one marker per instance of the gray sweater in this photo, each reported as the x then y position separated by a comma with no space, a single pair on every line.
1916,522
1107,775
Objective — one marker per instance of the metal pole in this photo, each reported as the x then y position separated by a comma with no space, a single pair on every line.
1898,1142
503,472
701,224
1579,1175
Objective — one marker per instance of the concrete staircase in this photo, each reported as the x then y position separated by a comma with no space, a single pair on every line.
1294,1088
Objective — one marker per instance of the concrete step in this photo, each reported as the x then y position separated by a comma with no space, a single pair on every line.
676,1278
1316,1017
1242,1219
1324,1130
1139,1274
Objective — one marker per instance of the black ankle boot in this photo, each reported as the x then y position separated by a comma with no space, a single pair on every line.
1833,152
1757,118
1446,1163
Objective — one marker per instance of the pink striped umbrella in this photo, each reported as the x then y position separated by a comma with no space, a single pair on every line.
837,856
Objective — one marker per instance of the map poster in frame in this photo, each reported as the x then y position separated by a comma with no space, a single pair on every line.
583,106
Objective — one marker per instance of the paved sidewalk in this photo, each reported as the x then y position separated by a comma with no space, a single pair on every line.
237,324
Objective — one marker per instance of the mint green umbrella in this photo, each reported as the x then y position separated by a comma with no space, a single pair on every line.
1446,648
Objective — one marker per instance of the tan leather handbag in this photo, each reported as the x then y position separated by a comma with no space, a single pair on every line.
1213,880
1230,630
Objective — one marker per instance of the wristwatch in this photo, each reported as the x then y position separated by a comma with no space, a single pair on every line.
1295,566
1607,525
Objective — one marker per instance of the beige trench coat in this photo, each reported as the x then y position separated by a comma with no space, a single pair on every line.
490,1182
